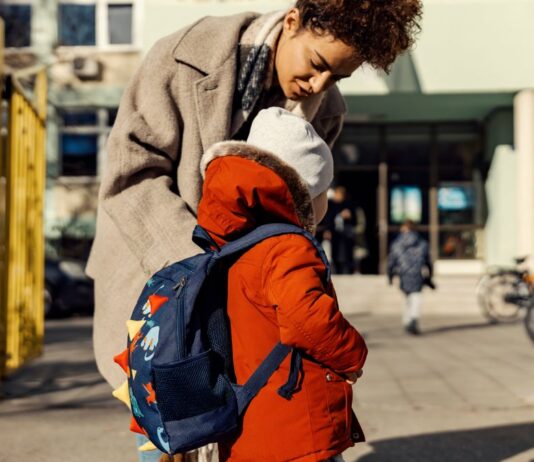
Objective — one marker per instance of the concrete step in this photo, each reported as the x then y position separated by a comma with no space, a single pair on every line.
372,294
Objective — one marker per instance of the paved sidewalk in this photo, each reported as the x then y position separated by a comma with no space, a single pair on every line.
464,391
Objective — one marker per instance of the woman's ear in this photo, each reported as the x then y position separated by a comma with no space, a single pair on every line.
292,21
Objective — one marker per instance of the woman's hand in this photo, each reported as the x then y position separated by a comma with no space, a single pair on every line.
353,377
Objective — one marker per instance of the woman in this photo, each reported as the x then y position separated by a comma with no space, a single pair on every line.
202,85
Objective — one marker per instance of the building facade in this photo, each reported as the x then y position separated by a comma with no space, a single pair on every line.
91,49
447,139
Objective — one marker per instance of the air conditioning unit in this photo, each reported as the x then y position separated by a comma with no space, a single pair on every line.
87,68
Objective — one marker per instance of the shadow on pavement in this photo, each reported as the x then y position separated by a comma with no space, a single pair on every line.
67,363
38,379
461,327
482,445
63,331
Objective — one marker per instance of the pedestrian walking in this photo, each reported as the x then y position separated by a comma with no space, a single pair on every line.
409,258
204,84
277,291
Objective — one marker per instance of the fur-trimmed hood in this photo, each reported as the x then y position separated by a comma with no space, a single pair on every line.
245,187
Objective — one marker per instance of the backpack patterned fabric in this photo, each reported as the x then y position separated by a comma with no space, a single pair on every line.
181,388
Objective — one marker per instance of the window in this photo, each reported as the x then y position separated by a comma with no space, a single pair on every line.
17,21
458,244
120,24
358,146
456,203
430,173
459,150
77,24
408,147
408,197
79,154
83,135
101,23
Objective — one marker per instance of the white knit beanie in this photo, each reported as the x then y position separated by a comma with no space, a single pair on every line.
294,141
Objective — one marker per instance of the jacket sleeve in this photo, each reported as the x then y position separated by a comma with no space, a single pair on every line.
428,262
335,125
392,263
329,126
307,313
139,190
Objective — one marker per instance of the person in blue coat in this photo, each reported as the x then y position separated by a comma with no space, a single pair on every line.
409,259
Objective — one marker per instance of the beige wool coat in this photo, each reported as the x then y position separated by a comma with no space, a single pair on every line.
176,106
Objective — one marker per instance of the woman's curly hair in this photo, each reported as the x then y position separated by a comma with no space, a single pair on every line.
379,30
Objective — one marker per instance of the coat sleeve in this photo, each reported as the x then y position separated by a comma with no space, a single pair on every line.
330,117
307,313
392,263
139,189
333,129
428,261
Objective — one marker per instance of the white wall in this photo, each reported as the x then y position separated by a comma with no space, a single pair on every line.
163,17
524,144
465,45
501,226
476,45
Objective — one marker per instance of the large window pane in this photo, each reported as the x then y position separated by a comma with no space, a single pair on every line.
358,145
79,155
459,151
77,24
408,197
456,203
408,146
120,23
17,21
73,119
457,244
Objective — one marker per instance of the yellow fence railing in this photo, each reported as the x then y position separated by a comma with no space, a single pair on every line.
22,185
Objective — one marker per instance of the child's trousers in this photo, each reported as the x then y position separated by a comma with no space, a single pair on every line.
412,310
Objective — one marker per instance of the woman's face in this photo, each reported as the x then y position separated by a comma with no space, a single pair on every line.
307,63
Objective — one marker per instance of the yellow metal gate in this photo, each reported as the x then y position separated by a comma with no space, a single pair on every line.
22,185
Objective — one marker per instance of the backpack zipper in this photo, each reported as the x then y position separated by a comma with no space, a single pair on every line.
178,288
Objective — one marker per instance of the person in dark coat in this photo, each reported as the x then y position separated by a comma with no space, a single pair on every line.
408,258
340,223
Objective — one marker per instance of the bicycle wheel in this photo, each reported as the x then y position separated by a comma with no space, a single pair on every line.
529,321
482,296
499,288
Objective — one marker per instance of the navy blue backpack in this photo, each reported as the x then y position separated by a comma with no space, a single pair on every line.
179,359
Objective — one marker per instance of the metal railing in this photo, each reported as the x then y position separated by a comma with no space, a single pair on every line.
22,186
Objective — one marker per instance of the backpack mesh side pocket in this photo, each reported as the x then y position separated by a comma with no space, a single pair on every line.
190,387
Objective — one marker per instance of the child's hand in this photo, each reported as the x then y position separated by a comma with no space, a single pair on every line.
353,377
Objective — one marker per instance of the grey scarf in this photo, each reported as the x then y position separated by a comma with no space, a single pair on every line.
256,71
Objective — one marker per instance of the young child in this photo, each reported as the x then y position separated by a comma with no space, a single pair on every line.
277,292
408,257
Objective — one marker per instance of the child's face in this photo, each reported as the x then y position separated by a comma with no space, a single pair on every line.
320,205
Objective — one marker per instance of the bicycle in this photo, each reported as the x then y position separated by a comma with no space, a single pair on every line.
524,302
529,319
502,292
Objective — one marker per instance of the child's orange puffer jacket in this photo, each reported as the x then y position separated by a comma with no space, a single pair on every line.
276,292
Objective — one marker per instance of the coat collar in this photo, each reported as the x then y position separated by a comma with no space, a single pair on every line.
212,41
216,58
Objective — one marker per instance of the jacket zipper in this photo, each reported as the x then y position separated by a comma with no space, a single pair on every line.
180,337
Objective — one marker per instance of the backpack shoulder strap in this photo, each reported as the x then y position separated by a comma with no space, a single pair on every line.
270,230
261,375
202,238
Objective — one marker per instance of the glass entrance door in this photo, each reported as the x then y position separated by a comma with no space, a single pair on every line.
430,173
